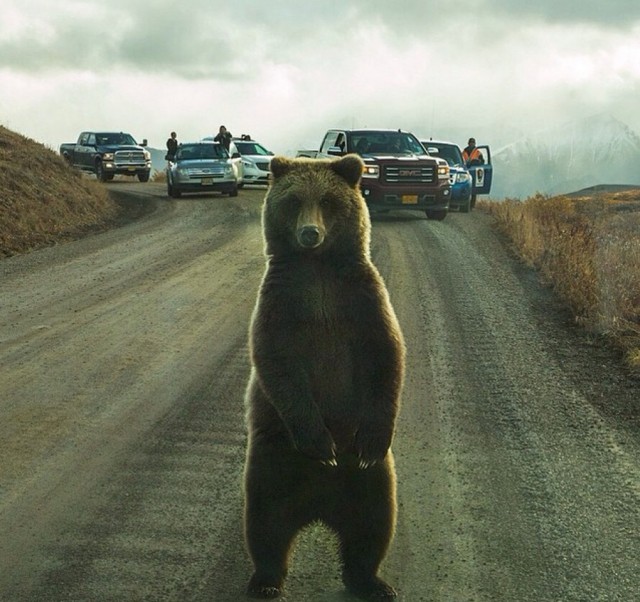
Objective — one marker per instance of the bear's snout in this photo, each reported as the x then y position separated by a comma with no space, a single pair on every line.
310,237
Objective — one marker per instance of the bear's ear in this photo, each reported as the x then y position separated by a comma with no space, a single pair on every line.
280,166
350,168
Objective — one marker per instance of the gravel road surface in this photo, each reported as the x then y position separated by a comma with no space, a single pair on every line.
123,362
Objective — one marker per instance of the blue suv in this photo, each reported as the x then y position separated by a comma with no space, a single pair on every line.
461,180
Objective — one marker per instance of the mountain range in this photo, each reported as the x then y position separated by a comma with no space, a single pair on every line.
599,150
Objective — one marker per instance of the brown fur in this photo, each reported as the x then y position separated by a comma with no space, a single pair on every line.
327,369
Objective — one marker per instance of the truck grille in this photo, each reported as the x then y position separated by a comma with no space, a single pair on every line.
129,157
409,175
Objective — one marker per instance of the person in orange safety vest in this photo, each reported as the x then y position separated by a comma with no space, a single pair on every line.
471,155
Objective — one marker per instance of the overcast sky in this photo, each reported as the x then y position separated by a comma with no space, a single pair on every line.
286,70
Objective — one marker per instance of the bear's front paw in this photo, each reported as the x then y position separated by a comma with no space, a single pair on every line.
319,446
372,446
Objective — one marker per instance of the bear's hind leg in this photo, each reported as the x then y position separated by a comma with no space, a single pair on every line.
272,519
365,529
269,551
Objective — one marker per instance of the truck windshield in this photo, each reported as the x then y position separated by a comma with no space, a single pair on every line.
107,139
395,143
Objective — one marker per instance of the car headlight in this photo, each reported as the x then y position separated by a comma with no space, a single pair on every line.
443,172
182,171
371,171
463,177
107,157
228,170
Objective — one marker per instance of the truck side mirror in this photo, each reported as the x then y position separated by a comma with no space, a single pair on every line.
335,150
144,142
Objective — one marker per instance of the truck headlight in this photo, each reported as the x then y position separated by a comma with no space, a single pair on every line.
107,157
443,172
147,155
371,171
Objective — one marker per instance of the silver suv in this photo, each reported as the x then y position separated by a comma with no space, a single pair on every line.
201,167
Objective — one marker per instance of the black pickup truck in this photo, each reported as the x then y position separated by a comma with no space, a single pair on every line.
399,174
107,154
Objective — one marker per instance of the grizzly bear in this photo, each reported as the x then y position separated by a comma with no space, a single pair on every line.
327,367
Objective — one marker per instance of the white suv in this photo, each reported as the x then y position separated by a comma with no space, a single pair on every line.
255,159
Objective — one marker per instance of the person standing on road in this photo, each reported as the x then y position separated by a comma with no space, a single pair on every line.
172,147
223,137
471,155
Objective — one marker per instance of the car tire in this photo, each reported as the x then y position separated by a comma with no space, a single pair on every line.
465,207
173,192
472,204
436,214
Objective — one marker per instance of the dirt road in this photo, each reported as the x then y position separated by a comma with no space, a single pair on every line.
123,362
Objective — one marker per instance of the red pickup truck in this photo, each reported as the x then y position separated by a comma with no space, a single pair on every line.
399,174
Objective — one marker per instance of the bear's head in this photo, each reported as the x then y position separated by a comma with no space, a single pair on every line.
314,206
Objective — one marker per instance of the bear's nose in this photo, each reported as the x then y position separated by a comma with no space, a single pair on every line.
309,236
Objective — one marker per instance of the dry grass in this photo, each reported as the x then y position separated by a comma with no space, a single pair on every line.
159,176
43,200
588,249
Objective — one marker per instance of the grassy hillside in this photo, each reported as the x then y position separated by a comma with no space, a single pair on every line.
42,200
588,249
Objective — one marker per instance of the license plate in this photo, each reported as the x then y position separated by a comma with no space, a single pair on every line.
207,181
131,168
409,199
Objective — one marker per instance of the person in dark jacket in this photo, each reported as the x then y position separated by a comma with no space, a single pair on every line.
172,147
223,137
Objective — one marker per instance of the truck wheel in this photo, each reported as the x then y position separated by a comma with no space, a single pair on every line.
143,176
436,214
100,173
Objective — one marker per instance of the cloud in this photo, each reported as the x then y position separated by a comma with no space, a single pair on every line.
285,71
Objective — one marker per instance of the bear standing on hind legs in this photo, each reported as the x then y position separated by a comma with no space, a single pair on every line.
327,368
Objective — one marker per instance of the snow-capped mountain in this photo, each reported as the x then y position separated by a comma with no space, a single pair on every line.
592,151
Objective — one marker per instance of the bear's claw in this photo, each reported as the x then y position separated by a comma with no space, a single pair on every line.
264,592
